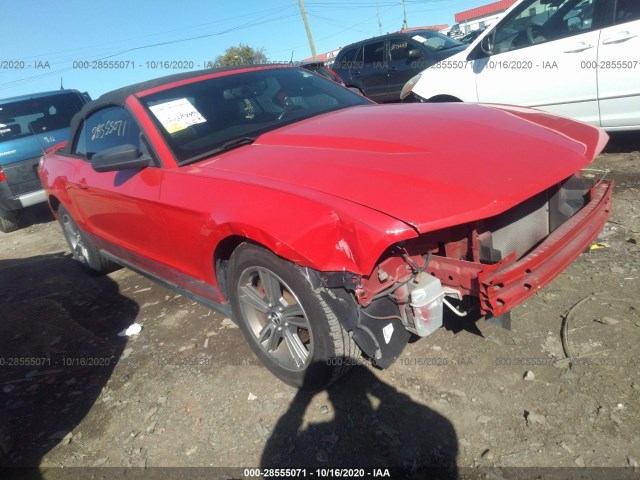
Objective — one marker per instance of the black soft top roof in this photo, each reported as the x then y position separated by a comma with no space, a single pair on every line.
119,97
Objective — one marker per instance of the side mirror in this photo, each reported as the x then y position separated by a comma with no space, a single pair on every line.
486,44
122,157
415,53
574,24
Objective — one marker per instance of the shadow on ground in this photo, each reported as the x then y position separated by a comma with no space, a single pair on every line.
370,425
623,142
58,347
35,215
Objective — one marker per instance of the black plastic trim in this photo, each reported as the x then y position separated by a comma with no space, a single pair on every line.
223,308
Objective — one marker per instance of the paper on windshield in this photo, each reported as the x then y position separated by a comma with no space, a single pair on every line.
177,115
419,38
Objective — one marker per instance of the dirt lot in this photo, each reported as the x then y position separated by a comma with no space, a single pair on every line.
187,390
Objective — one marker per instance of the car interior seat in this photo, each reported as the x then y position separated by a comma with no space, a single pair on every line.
627,10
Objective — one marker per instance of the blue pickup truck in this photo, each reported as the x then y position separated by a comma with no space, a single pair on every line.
29,125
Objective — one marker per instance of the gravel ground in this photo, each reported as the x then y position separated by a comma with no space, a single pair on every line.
188,392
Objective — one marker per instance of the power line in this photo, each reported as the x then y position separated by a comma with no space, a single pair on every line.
72,55
24,81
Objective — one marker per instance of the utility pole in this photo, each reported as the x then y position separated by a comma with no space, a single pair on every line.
404,13
378,13
308,29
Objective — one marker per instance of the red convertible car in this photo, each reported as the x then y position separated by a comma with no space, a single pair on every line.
327,226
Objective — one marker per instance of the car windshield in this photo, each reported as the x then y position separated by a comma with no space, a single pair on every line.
538,21
208,116
31,116
434,40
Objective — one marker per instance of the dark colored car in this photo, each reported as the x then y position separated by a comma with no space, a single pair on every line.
471,36
322,223
321,69
379,67
29,125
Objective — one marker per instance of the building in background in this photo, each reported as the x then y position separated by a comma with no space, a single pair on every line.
477,18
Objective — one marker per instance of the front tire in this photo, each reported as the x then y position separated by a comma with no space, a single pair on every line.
82,249
288,325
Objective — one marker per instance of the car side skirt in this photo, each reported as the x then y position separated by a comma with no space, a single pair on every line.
222,308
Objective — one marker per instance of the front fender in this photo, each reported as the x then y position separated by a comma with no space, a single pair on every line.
325,240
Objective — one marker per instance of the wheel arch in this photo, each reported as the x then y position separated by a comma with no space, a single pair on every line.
221,255
54,202
332,243
225,248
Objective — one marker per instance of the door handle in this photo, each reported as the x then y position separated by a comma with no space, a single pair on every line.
83,184
393,69
355,73
618,37
579,47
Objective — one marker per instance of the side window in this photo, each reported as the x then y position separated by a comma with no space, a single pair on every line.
539,21
374,52
357,58
580,17
348,55
399,48
627,11
107,128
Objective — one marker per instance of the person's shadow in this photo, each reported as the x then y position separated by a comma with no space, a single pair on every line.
59,345
369,425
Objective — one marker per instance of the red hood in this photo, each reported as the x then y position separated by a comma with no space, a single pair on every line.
429,165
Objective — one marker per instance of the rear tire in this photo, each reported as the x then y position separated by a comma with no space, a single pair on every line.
289,327
9,222
82,249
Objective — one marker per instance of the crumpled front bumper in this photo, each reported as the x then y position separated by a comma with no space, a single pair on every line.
509,282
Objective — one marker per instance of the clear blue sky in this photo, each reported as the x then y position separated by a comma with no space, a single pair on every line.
53,35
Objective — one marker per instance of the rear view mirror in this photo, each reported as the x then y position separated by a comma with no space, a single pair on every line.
415,53
122,157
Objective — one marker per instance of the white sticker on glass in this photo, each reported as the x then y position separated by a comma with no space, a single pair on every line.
177,115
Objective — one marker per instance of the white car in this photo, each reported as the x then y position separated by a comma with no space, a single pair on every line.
577,58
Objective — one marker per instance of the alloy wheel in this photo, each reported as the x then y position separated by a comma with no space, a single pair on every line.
71,231
276,318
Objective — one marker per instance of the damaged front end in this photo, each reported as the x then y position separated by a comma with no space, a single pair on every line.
487,266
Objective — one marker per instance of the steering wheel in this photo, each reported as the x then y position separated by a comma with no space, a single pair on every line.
534,31
288,109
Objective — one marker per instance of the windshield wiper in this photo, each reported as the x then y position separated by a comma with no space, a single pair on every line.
230,145
236,142
226,146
